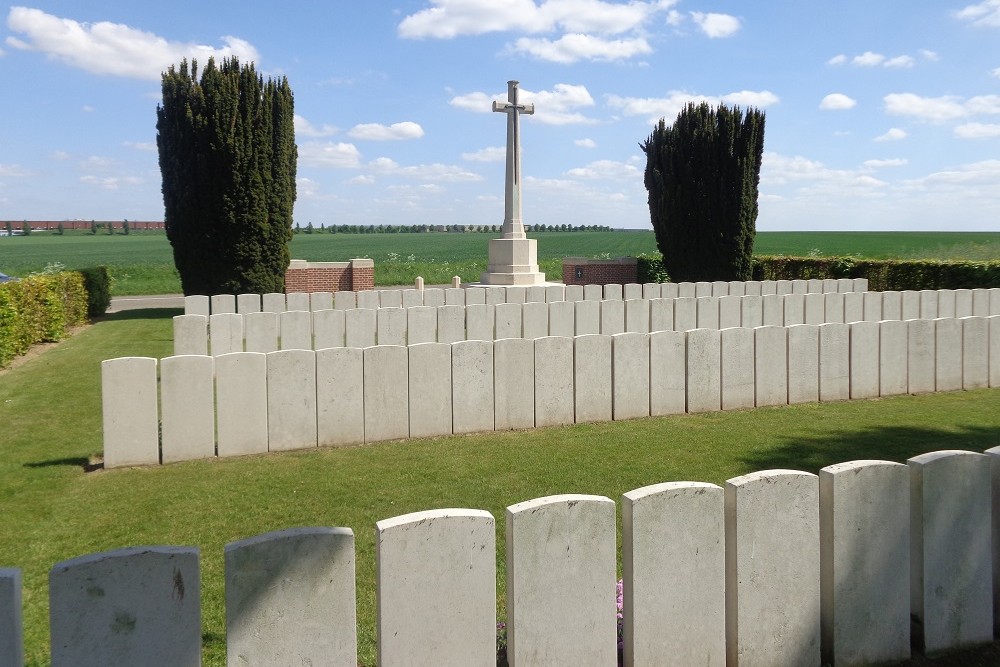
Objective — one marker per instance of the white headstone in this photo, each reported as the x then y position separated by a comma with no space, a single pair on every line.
328,329
768,287
454,296
794,307
815,304
704,392
864,530
197,304
390,298
981,302
833,307
668,385
367,299
729,311
574,292
994,454
702,288
630,375
451,323
436,588
561,581
429,375
131,425
434,297
296,330
223,303
534,294
910,305
241,403
685,313
651,291
637,315
708,312
686,289
631,291
814,285
800,286
515,294
773,310
421,325
475,295
773,568
360,325
553,381
854,307
975,352
187,408
613,291
508,320
587,317
860,284
472,386
661,315
555,293
736,288
479,321
845,285
345,300
11,618
829,285
273,302
562,316
612,317
247,303
291,400
340,398
950,509
892,305
513,383
290,598
928,304
297,301
495,295
412,297
225,333
864,359
751,311
190,334
592,371
753,288
737,383
535,319
669,290
261,331
948,354
138,606
803,363
673,575
920,356
770,366
783,287
872,306
834,361
386,393
390,325
946,303
320,301
994,324
893,357
720,288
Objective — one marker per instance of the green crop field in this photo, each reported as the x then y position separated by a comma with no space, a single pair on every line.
142,263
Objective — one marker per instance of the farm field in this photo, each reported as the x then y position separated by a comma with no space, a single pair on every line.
142,262
54,510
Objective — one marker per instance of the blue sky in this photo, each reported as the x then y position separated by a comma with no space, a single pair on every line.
880,115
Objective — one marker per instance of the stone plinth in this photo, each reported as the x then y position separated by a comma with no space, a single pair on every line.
513,262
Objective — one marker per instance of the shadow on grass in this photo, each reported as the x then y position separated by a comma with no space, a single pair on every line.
894,443
72,461
141,314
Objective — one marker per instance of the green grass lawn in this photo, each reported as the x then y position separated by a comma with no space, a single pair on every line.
142,262
50,411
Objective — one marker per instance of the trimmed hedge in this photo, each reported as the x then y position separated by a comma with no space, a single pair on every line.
97,282
39,308
882,274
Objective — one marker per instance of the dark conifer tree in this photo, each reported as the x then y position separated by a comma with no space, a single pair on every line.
702,175
228,162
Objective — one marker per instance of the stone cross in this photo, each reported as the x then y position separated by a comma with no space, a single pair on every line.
513,228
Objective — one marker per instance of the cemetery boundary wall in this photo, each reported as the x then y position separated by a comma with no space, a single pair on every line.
305,277
583,271
834,564
195,406
222,333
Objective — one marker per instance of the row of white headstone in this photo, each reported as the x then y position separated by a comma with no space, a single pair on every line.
778,567
248,402
458,296
223,333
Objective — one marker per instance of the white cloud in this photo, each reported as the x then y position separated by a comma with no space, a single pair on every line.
329,154
868,59
60,155
716,25
816,178
362,179
873,59
110,182
12,170
96,163
939,109
306,188
894,134
984,14
446,19
839,59
111,48
879,164
394,132
585,143
490,154
996,72
149,146
837,102
668,107
983,176
303,128
606,170
899,62
555,107
978,131
86,108
574,47
929,56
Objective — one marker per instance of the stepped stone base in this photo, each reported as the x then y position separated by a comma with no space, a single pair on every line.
513,262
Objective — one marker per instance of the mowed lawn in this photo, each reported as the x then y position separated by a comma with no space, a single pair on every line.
142,262
52,509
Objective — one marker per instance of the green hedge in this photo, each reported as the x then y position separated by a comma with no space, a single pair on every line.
882,274
97,282
38,309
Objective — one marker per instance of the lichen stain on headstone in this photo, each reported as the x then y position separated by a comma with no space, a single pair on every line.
124,623
178,593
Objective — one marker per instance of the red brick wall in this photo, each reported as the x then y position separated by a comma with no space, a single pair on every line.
302,276
582,271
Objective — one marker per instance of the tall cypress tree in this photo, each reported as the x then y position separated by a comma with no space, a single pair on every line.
228,161
702,175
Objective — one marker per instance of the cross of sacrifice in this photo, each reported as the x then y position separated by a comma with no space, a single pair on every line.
513,228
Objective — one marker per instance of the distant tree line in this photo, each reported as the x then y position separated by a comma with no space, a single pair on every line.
309,228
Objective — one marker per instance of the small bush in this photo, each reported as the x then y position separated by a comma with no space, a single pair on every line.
650,269
882,274
97,283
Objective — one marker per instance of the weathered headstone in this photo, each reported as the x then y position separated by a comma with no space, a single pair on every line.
340,398
737,384
834,362
479,321
328,329
241,403
592,371
11,618
864,359
708,312
291,400
947,354
344,300
190,334
794,307
320,301
893,357
360,325
975,352
274,302
637,315
704,351
773,310
729,311
630,375
433,297
430,390
472,386
613,292
386,395
225,333
751,311
247,303
421,325
770,366
128,398
920,356
390,298
833,307
223,303
297,301
946,303
612,316
535,319
261,331
668,385
451,323
296,330
553,381
661,315
562,316
197,304
587,317
508,320
513,383
187,408
390,324
367,299
685,313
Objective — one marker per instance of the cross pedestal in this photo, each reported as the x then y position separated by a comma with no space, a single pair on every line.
513,256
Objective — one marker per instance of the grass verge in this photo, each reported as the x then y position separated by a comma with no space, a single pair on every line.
50,409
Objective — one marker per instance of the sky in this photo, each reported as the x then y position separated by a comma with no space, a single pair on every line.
879,115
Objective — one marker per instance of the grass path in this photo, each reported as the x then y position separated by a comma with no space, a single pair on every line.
50,410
